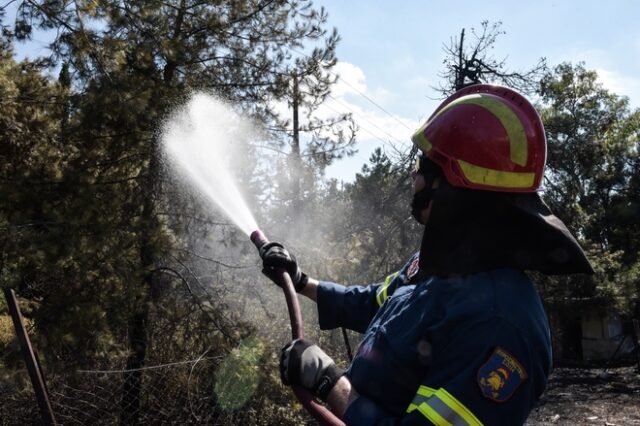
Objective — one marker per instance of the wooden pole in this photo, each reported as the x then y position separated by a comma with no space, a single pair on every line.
31,359
636,340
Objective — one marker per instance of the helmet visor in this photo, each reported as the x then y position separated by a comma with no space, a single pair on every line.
425,167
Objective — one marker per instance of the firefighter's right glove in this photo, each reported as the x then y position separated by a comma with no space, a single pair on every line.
303,363
275,256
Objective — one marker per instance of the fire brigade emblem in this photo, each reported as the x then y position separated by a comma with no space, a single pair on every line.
413,268
500,376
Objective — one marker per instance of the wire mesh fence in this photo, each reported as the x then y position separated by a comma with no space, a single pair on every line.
201,364
232,390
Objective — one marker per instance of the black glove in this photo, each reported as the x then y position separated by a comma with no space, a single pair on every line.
304,364
274,256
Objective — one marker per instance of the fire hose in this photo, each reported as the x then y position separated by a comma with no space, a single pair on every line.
318,411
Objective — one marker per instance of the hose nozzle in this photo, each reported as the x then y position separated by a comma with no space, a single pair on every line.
258,239
304,396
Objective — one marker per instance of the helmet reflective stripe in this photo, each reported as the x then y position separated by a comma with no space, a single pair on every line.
499,178
442,408
381,296
488,138
420,139
509,120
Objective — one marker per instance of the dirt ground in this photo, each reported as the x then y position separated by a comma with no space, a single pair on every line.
594,396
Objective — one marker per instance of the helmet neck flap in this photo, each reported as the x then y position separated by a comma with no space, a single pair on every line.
489,144
470,231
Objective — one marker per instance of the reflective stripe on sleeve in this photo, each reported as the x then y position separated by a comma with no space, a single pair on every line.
442,408
381,296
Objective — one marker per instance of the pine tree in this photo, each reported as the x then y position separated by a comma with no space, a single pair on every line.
592,138
125,65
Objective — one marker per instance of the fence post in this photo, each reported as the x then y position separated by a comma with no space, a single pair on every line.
30,358
636,340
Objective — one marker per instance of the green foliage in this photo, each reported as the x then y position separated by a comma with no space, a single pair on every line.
238,375
593,142
110,256
117,266
377,229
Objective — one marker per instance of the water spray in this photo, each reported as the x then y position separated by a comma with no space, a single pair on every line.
197,140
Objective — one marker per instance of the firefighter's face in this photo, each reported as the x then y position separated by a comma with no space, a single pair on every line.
421,173
419,183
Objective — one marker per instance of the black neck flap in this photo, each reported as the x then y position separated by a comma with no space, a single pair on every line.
471,231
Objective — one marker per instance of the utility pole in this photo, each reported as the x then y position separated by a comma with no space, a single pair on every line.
295,159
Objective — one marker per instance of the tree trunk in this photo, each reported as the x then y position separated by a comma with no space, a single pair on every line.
460,73
295,160
138,322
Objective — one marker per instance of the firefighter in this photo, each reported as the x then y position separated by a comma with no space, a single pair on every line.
457,336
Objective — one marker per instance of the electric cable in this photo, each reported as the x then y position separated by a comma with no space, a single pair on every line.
360,126
364,118
360,93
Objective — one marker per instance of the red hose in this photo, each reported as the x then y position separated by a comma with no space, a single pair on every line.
319,412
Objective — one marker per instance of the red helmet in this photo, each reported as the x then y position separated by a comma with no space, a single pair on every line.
486,137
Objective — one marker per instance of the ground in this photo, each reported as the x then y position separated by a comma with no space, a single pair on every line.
594,396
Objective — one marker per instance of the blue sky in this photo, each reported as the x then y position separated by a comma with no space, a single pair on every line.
392,52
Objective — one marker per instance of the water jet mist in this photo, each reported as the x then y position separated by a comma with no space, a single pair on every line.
198,140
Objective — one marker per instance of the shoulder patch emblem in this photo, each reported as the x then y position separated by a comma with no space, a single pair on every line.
414,267
500,376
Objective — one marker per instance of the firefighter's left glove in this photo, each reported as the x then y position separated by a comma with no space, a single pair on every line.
304,364
275,256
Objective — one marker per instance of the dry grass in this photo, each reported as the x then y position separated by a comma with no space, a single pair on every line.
7,332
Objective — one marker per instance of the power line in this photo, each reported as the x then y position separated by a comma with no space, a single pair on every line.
364,118
360,127
386,142
374,103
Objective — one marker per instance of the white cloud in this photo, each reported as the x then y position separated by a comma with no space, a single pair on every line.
351,95
376,127
620,84
615,72
351,79
382,95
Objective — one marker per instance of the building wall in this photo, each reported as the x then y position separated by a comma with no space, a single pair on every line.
601,335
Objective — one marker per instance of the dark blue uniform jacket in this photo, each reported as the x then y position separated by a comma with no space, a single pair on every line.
472,350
